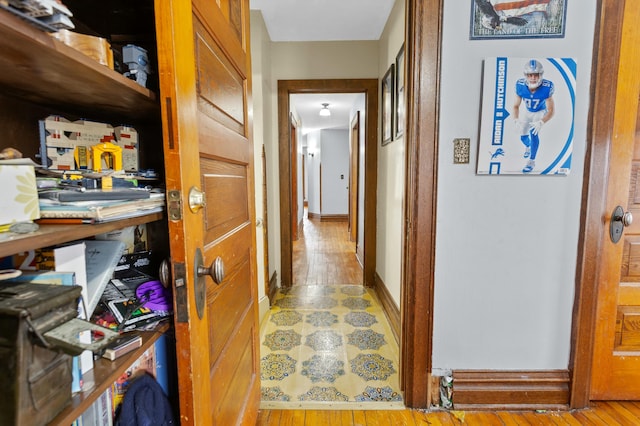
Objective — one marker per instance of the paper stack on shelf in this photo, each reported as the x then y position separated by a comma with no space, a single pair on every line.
102,210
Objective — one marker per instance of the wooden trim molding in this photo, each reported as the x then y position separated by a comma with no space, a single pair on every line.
606,59
370,88
423,41
510,390
388,306
334,218
359,254
273,287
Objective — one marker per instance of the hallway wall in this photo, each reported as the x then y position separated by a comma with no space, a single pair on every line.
297,61
335,171
313,172
506,245
332,60
263,119
391,172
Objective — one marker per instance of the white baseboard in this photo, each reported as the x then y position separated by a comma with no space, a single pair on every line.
263,308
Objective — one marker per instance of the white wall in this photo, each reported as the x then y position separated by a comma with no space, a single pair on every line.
505,245
324,60
303,61
391,172
300,141
313,172
335,172
262,122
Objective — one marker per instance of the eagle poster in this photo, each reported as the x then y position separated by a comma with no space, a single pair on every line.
527,122
517,18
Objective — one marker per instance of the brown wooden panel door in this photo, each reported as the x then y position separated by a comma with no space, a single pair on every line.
616,361
205,79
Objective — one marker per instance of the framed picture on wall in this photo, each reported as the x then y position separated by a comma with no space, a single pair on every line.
399,95
499,19
528,109
387,105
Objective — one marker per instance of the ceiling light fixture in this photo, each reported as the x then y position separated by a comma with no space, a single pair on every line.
324,112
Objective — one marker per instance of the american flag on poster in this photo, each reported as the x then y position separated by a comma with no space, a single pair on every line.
517,18
519,8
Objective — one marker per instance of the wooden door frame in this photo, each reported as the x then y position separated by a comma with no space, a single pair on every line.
370,88
354,177
423,44
423,41
592,235
293,142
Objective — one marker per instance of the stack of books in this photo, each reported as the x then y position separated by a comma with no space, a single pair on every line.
104,207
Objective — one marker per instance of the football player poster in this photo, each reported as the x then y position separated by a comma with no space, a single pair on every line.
528,108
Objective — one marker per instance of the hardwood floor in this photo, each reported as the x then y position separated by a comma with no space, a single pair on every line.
323,255
613,413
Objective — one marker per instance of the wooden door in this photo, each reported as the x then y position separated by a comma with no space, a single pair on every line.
616,361
354,170
205,93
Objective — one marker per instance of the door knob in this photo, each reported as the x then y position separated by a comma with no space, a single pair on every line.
164,273
626,219
619,219
196,200
215,271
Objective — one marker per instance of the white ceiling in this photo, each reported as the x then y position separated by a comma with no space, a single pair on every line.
307,107
323,20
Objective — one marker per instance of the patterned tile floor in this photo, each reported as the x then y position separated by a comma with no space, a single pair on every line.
328,347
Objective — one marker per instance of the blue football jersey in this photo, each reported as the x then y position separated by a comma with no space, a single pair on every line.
536,100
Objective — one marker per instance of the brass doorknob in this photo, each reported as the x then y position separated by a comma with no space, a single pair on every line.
196,200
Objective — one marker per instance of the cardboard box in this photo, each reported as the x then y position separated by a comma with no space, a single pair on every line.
127,139
19,194
96,48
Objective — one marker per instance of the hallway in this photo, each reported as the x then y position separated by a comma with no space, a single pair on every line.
328,347
323,255
326,342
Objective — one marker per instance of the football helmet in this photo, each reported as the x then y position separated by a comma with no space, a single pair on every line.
533,67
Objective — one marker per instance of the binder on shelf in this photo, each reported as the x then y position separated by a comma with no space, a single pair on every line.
73,195
101,256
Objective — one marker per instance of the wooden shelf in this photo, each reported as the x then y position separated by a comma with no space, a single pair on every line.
55,78
41,69
103,374
49,235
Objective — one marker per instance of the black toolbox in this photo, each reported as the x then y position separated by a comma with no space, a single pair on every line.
35,373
